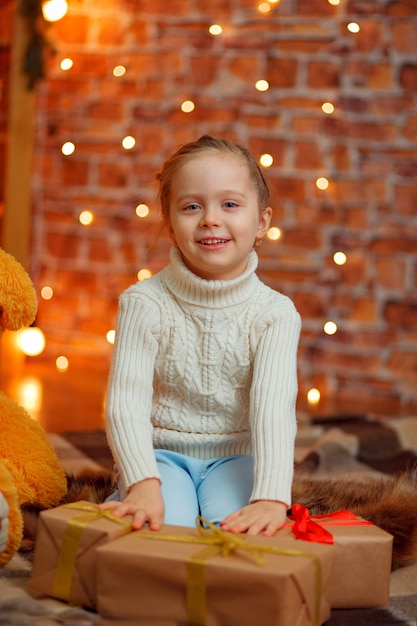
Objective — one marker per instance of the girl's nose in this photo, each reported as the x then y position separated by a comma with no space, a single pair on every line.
210,217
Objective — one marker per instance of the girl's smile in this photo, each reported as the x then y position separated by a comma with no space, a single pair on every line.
215,215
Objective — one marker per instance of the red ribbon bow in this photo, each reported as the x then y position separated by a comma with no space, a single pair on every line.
306,528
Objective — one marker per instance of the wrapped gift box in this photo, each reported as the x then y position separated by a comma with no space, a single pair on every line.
170,576
64,560
361,568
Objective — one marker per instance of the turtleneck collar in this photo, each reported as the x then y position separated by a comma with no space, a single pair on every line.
192,289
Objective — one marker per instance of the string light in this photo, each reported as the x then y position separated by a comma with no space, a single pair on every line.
274,233
187,106
62,364
334,3
353,27
86,218
128,142
31,341
119,71
47,293
54,10
215,30
262,85
264,7
68,148
144,274
330,328
339,258
142,210
266,160
313,396
322,183
29,392
327,107
66,64
110,336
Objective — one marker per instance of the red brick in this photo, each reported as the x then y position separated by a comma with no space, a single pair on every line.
364,310
401,313
404,37
288,188
303,238
260,145
73,29
391,273
369,38
108,110
408,76
406,199
74,171
394,244
112,175
246,67
403,363
342,361
308,156
323,74
310,305
204,68
315,9
391,105
281,72
341,157
380,76
402,8
62,245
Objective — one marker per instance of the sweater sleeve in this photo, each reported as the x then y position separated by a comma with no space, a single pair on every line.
272,406
130,388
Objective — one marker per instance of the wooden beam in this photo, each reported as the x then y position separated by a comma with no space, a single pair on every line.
20,146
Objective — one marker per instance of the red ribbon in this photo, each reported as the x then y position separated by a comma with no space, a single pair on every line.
306,528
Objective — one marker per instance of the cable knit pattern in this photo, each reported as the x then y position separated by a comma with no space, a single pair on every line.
206,368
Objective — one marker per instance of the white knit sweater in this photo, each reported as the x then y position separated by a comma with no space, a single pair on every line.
206,368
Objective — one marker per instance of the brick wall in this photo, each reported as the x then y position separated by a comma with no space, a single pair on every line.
366,149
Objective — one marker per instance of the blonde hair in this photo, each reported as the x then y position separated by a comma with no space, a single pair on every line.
205,143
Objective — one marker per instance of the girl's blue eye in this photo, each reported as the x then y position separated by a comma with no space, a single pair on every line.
192,207
230,205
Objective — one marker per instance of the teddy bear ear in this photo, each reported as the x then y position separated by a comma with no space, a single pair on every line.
18,302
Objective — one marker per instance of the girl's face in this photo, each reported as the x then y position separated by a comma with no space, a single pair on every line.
215,215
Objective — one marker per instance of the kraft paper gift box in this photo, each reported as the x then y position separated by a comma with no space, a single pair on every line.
176,575
361,568
64,563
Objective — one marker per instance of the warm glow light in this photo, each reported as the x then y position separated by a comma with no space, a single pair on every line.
144,274
110,336
266,160
30,341
264,7
262,85
327,107
62,363
335,3
66,64
119,71
339,258
29,394
353,27
330,328
313,396
128,142
322,183
215,29
142,210
54,10
68,148
274,233
47,293
187,106
86,218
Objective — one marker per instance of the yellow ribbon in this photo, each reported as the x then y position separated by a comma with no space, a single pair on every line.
71,539
225,543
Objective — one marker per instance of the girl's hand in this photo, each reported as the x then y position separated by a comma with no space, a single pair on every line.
260,517
144,501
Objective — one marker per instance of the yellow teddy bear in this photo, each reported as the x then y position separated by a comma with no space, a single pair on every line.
30,472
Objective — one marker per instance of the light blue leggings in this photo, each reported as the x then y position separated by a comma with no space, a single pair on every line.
192,487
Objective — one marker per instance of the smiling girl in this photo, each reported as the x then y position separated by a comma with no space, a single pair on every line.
203,382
